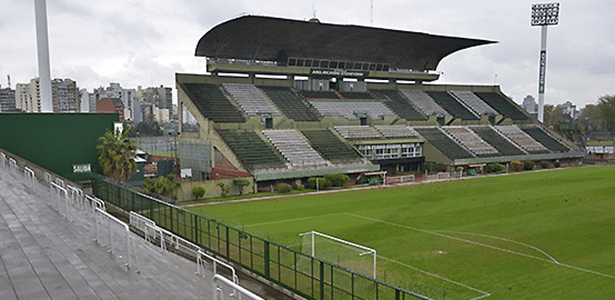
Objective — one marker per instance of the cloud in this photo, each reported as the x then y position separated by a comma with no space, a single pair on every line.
131,33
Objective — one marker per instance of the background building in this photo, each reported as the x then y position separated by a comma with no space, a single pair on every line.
529,105
7,99
66,96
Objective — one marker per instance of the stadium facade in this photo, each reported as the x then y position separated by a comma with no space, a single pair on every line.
286,100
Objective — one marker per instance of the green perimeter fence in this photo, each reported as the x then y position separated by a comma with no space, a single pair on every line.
300,273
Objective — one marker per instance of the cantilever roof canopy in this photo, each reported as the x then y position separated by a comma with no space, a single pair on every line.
264,38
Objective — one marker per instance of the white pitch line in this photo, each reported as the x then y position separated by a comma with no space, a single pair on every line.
485,294
291,220
452,237
553,261
502,239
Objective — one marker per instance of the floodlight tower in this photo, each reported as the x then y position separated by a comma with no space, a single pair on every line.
40,10
543,14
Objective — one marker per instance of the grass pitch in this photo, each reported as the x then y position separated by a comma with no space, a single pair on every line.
539,235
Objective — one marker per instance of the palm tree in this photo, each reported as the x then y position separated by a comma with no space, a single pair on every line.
117,154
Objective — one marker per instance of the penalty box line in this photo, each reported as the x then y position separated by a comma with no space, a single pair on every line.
484,294
297,219
551,260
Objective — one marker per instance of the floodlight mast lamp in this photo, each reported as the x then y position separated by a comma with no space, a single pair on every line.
543,14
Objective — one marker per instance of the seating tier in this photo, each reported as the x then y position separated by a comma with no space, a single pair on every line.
350,109
451,105
212,103
475,103
496,140
330,146
545,139
357,132
471,141
250,99
396,131
424,103
522,139
443,143
502,105
291,104
252,150
398,104
294,148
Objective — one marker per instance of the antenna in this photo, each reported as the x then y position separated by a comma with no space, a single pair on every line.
371,16
9,80
314,9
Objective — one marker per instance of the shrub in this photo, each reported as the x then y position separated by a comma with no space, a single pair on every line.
311,183
300,187
284,188
224,189
436,168
240,183
544,164
494,168
516,166
337,179
198,192
459,169
165,186
528,165
557,164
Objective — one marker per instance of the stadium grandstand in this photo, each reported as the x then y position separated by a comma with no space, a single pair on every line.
285,100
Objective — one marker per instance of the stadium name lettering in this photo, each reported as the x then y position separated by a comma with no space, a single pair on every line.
387,146
329,72
543,67
82,168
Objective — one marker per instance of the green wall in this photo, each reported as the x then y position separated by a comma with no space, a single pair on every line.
56,142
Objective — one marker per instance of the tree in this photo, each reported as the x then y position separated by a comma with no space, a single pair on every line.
224,189
117,154
553,115
165,186
146,129
240,183
606,106
591,120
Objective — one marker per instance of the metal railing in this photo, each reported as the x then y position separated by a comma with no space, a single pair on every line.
13,167
217,290
153,232
30,177
100,217
291,269
70,201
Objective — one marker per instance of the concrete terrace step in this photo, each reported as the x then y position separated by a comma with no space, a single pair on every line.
45,256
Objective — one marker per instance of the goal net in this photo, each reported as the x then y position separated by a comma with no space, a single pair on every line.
346,254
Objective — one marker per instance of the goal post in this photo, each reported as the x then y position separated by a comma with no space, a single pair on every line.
365,250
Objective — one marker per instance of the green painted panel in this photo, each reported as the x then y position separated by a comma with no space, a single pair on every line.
56,142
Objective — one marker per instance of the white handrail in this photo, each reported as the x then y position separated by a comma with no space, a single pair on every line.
220,279
94,203
30,177
59,193
126,229
140,221
216,261
13,166
47,178
2,159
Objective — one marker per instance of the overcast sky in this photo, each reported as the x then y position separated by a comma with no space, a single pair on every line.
145,42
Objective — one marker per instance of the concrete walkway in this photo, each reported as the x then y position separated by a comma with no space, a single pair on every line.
45,256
